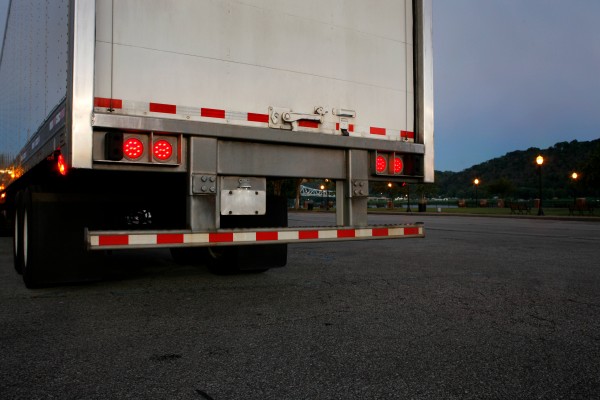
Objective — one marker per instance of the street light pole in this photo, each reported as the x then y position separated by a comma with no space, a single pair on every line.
540,160
476,182
574,176
322,195
327,194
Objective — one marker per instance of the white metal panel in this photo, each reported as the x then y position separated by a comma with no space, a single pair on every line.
378,17
104,20
103,55
248,55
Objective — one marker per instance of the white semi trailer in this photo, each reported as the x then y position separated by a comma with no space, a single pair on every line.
160,123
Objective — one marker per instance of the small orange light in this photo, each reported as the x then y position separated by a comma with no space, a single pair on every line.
3,195
62,165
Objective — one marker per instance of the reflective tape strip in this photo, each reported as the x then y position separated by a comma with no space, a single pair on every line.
117,240
196,238
267,236
212,113
377,131
113,240
168,238
253,117
289,235
240,237
220,237
216,115
142,240
108,103
163,108
328,234
346,233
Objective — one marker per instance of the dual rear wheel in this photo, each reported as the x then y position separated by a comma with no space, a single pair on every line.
48,244
28,250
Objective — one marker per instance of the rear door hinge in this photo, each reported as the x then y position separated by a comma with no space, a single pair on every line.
285,118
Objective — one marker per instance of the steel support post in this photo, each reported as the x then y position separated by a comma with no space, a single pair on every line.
202,196
352,194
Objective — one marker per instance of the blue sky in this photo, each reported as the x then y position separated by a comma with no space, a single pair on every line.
510,75
513,74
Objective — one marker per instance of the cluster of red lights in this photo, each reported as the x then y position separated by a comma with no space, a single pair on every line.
133,148
381,164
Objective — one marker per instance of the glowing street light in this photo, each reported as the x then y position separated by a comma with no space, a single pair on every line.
574,176
539,161
476,182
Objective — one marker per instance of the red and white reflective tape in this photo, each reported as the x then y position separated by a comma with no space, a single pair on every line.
141,239
240,118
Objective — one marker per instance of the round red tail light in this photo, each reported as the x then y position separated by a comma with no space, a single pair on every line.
163,150
381,164
133,148
398,165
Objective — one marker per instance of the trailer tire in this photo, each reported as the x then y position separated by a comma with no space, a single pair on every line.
32,247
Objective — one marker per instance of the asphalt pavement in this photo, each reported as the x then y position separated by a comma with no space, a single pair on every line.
482,308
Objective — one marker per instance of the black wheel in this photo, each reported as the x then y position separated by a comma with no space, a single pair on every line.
30,245
17,233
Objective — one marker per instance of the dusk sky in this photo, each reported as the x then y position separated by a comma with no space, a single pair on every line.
513,74
510,75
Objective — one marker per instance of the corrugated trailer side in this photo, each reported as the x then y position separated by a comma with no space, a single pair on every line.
33,78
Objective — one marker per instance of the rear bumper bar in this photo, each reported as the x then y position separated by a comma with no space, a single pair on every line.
114,240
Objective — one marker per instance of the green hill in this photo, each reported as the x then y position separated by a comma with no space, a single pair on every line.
514,175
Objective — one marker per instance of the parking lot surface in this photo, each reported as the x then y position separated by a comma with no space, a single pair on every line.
481,308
